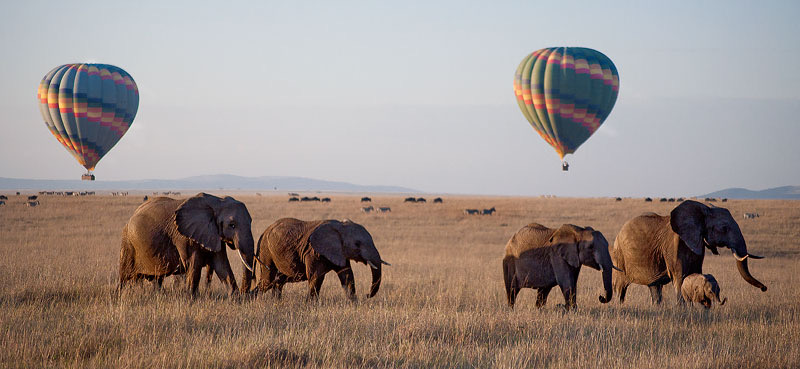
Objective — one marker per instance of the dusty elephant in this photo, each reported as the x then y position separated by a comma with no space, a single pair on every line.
167,236
540,258
653,250
701,288
292,250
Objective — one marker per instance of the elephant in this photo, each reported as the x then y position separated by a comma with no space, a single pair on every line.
167,237
653,250
701,288
292,250
541,258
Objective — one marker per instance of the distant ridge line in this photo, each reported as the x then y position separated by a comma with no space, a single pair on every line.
203,182
776,193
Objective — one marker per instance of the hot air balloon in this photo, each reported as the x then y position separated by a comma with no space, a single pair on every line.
88,108
566,93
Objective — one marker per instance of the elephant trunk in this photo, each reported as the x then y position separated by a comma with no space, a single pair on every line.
245,247
721,302
741,264
607,285
376,278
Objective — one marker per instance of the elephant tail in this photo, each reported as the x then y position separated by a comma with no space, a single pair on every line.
508,278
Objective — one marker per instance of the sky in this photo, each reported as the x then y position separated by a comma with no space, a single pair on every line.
416,93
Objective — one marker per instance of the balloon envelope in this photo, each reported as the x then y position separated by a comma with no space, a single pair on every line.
566,93
88,108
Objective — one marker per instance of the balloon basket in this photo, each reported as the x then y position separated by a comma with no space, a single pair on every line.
87,177
564,166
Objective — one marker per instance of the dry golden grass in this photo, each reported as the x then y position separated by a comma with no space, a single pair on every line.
442,303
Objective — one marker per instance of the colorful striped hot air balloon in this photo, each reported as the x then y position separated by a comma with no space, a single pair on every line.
566,93
88,108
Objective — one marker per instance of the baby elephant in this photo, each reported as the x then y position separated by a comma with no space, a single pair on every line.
701,288
541,258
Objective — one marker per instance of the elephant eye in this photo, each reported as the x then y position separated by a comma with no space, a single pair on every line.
232,225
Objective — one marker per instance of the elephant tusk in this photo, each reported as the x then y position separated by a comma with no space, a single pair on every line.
740,258
385,263
371,265
243,263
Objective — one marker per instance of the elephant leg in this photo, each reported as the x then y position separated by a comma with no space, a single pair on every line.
157,282
541,296
620,284
314,285
513,292
678,283
655,294
209,276
277,285
223,270
348,281
194,272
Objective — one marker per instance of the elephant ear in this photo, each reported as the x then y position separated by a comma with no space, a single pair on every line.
326,240
195,220
688,220
565,241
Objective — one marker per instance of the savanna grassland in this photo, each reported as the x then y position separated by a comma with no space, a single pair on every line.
441,304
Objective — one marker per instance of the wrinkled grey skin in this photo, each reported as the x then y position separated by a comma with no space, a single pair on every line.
292,250
167,236
701,288
653,250
540,258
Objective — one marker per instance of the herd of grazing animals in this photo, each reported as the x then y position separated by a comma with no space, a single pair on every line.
172,237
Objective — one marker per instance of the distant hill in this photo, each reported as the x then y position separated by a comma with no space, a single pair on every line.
784,193
209,182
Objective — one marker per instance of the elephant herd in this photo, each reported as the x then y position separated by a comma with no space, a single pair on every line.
174,237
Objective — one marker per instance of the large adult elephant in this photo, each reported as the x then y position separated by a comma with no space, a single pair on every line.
653,250
292,250
167,236
541,258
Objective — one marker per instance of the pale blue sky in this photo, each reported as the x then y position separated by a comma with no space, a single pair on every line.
417,94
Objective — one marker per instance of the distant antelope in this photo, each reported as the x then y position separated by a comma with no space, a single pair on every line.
367,209
384,210
750,215
472,211
488,211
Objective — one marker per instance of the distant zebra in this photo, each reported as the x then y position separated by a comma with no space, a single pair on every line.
367,209
472,211
750,215
384,210
488,211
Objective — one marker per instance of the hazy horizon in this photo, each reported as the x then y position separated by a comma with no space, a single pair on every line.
417,94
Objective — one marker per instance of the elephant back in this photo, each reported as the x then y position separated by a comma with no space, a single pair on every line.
530,237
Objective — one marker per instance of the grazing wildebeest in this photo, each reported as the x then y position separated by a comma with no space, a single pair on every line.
17,193
410,199
680,199
305,198
366,199
294,194
292,199
421,199
725,200
671,199
663,199
384,210
32,198
488,211
618,199
2,202
472,211
367,209
145,198
3,197
32,203
438,200
326,199
647,199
